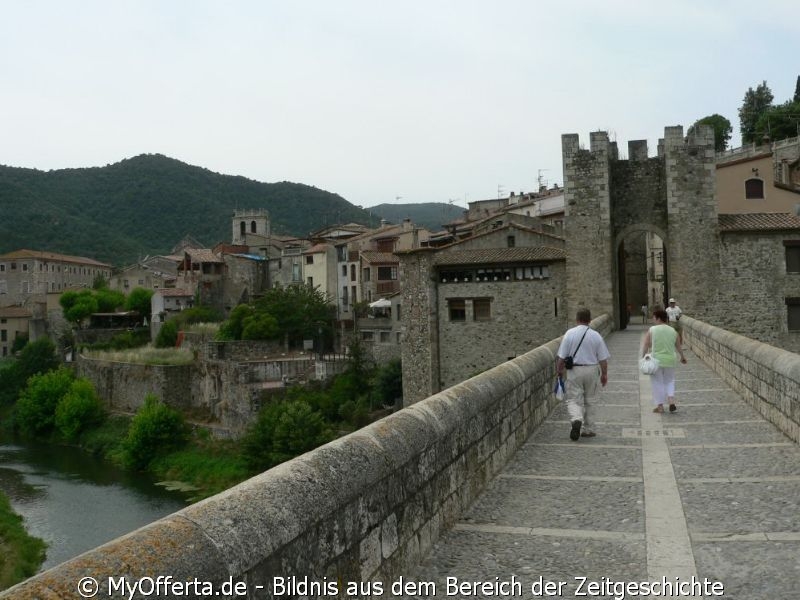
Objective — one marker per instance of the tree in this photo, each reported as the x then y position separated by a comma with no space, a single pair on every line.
722,130
139,300
155,430
168,334
78,305
780,122
261,326
302,312
755,103
78,409
283,430
232,328
109,300
36,407
797,90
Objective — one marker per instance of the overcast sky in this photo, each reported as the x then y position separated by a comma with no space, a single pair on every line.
425,101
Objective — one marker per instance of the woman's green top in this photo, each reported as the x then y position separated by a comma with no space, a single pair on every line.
662,343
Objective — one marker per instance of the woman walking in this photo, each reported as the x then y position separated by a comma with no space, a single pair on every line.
662,342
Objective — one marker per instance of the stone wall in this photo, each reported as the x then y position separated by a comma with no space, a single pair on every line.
524,314
587,224
365,507
768,378
693,230
420,347
753,286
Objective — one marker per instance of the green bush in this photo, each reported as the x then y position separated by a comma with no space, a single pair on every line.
283,430
36,407
155,430
199,314
78,410
261,326
388,384
139,301
168,335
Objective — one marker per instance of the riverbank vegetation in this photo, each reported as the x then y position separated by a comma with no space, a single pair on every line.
55,406
41,399
20,553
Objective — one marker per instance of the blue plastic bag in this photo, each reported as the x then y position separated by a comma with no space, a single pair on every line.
559,390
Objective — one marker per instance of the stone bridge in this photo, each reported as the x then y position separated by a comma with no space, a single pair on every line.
479,485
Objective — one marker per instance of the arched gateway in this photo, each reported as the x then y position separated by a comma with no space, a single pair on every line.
612,202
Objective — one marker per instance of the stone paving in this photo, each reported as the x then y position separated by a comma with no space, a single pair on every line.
711,491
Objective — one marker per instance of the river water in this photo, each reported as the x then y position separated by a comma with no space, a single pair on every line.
74,501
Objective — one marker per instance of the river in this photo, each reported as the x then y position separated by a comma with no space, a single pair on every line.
74,501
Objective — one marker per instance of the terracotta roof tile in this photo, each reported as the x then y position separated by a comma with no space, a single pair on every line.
14,312
759,222
37,254
374,257
203,255
500,255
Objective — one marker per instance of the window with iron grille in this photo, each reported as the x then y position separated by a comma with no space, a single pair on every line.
482,309
457,308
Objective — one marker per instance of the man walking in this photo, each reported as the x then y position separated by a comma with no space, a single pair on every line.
674,313
583,353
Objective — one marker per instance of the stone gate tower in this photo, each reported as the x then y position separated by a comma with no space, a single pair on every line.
671,195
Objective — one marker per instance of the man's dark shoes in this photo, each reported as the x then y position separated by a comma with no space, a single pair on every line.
588,434
575,432
672,408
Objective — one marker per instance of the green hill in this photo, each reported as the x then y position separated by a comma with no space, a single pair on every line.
431,215
145,205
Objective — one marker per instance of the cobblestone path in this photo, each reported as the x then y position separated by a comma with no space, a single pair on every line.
710,491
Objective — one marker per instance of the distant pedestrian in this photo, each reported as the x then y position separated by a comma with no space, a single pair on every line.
644,314
584,354
674,313
662,342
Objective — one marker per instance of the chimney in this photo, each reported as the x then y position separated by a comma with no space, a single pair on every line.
384,222
407,224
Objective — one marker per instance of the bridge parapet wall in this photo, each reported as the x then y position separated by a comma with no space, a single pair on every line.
364,507
768,378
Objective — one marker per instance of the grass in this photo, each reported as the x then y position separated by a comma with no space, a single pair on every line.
146,355
21,554
209,465
209,329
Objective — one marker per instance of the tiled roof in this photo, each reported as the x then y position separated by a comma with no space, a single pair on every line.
21,254
203,255
174,293
759,222
374,257
317,248
14,312
500,255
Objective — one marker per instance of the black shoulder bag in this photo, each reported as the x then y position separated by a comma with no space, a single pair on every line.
569,361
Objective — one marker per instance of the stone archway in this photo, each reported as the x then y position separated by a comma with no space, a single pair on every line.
670,195
641,274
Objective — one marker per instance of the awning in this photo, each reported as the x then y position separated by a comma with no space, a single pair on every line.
382,303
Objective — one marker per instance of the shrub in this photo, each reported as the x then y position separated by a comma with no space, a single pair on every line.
388,383
262,326
36,407
283,430
168,335
139,301
155,430
79,409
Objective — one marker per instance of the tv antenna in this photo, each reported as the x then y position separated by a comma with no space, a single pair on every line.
541,180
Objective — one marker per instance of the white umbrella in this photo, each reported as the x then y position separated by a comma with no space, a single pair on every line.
382,303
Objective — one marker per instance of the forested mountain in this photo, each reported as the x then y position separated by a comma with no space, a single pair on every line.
431,215
145,205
